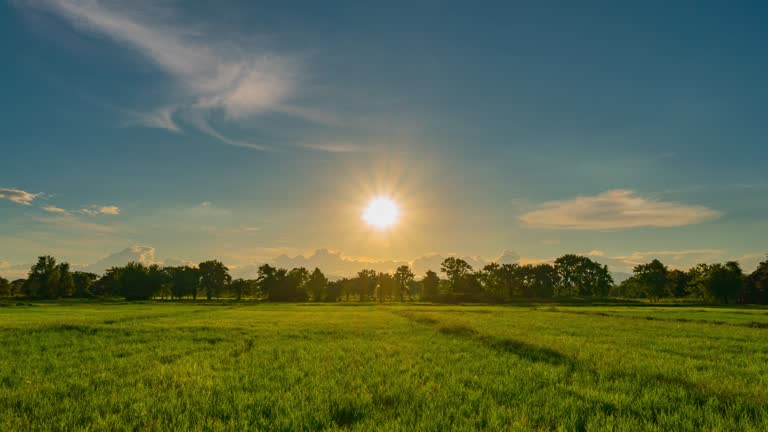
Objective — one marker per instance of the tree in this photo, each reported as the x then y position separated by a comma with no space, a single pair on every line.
241,287
696,276
49,280
430,286
386,286
493,280
579,275
135,281
317,285
456,269
83,282
366,283
184,281
267,281
214,276
17,287
501,280
297,284
653,277
403,276
538,280
335,290
721,282
472,286
108,284
678,283
66,283
282,285
756,287
5,287
630,287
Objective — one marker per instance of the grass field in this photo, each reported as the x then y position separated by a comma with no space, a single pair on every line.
154,366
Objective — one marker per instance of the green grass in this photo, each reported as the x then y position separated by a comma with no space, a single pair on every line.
154,366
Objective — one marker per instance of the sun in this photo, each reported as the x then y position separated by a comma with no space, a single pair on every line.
381,213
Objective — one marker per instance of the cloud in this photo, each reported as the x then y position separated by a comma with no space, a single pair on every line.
675,258
615,209
749,262
140,254
54,209
18,196
96,210
71,223
108,210
210,75
14,271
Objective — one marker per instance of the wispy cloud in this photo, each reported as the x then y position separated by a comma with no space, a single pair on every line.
676,258
54,209
71,223
615,209
96,210
18,196
211,75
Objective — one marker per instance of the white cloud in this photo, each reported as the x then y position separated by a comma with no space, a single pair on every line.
18,196
14,271
72,223
211,75
140,254
54,209
750,261
679,259
615,209
96,210
108,210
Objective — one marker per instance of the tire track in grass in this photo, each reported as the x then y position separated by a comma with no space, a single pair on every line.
159,315
697,393
751,324
507,345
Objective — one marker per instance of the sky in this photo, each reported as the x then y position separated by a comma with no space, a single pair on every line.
253,132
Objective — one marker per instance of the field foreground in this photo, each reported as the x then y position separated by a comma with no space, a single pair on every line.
407,367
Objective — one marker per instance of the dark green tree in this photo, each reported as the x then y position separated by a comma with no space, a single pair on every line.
5,287
297,287
386,286
335,290
268,282
184,281
403,276
317,285
49,280
214,276
241,288
654,278
365,284
538,280
723,281
430,286
139,282
756,286
17,287
108,285
678,283
83,282
579,275
456,270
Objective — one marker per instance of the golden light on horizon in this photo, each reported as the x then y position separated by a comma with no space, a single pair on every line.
381,213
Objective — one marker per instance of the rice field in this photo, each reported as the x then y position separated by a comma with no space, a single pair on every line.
401,367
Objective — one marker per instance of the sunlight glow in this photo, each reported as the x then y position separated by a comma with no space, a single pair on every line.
381,213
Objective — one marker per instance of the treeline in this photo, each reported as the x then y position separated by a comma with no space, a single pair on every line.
714,283
569,276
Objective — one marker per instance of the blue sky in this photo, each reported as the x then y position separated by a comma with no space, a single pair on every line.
247,130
